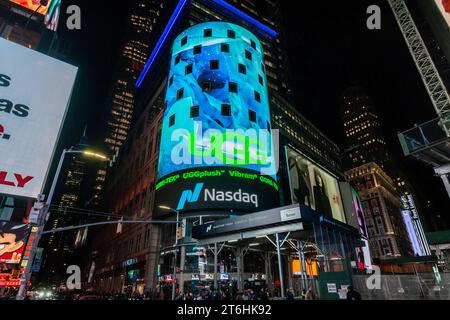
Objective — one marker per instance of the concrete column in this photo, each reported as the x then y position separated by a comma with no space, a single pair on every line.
267,256
216,253
290,273
239,254
182,263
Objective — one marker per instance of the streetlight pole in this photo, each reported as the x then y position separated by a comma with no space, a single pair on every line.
43,218
174,276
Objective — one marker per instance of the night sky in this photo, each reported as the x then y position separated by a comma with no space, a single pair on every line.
329,48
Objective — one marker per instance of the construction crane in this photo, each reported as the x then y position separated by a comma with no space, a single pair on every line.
424,63
430,141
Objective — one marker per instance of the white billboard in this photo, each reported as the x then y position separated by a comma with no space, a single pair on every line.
35,90
444,7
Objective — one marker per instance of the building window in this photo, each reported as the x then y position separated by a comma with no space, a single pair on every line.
252,115
248,55
242,68
170,80
207,33
177,59
232,87
225,47
260,79
253,44
171,120
226,110
195,111
183,41
180,93
206,86
257,96
198,49
231,34
214,64
188,69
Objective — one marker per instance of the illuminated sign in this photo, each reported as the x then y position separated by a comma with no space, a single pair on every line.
174,18
49,12
34,94
13,237
444,8
250,221
411,232
314,187
360,219
216,143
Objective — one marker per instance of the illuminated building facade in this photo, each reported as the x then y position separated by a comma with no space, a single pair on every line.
143,259
382,207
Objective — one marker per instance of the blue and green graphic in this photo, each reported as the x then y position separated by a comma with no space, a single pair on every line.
217,114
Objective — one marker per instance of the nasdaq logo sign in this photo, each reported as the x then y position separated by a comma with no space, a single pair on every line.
189,196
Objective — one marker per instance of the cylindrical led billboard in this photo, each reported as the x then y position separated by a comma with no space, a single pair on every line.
216,142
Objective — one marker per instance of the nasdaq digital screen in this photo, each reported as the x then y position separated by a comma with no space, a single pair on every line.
216,129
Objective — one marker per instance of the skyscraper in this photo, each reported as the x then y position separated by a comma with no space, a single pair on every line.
142,258
134,53
362,129
367,147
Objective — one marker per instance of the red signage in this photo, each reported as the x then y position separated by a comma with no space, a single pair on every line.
14,179
13,237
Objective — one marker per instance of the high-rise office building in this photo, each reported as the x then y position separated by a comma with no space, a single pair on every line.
362,129
117,117
367,144
143,258
134,53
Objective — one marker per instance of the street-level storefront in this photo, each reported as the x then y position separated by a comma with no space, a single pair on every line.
241,253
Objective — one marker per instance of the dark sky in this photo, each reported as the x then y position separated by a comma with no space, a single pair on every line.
329,50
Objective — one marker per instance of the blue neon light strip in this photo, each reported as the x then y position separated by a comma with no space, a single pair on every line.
162,39
173,20
241,14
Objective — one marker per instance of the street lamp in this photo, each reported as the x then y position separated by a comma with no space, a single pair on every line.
176,245
42,219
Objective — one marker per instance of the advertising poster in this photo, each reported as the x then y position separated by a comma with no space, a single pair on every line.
49,12
444,8
314,187
360,219
35,91
13,238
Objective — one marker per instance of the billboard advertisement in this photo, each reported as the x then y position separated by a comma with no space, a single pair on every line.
13,237
406,214
216,143
314,187
444,8
49,12
353,208
360,219
34,94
